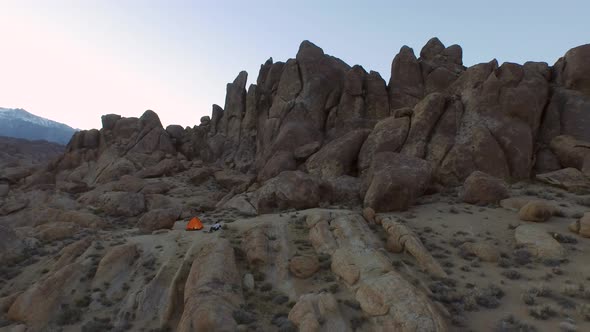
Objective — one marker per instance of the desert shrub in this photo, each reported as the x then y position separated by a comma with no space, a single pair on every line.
511,324
83,302
489,297
266,287
97,325
542,312
243,317
511,274
584,310
561,238
522,257
69,316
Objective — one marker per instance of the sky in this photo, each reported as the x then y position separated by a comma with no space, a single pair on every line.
73,61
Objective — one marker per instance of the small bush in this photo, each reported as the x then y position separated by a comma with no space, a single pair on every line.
83,302
511,324
511,274
352,304
69,316
334,288
97,325
584,310
266,287
542,312
243,317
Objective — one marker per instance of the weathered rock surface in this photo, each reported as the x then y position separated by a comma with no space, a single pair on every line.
316,312
304,266
482,189
119,204
582,226
539,242
11,244
56,231
384,295
409,241
395,181
537,211
158,219
212,294
116,265
572,153
337,157
38,305
484,251
288,190
569,179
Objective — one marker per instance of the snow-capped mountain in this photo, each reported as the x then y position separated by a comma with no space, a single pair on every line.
22,124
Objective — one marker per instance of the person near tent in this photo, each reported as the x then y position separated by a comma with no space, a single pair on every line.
215,227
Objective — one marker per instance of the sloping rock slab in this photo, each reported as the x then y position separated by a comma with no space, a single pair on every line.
569,179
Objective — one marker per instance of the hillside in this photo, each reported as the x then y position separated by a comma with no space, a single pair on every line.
19,123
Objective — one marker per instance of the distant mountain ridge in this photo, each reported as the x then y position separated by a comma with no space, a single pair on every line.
18,123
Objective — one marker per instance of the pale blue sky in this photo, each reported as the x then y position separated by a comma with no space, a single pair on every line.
73,61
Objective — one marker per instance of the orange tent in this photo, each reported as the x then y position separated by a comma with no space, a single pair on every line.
194,225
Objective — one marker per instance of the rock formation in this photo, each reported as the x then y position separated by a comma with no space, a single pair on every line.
316,114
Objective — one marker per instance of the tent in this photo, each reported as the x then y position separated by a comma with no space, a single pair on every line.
194,225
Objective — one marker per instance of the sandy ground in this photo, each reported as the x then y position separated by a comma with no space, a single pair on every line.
556,291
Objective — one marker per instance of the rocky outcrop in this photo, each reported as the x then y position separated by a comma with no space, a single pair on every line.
538,242
39,304
316,114
570,179
487,252
481,189
406,240
572,153
582,226
296,190
316,312
116,264
212,294
390,301
395,181
537,211
158,219
337,157
304,266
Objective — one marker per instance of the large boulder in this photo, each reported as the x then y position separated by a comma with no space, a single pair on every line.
341,190
39,304
212,294
482,189
570,179
388,136
304,266
572,152
316,312
576,69
158,219
289,190
165,167
536,210
538,242
116,263
230,179
11,245
582,226
56,231
120,204
395,181
337,157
